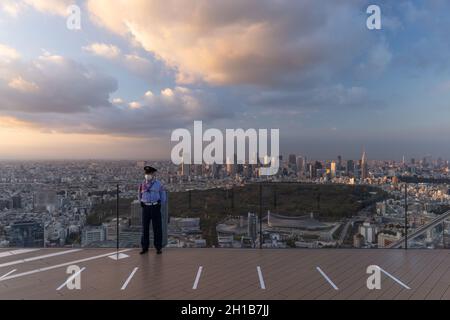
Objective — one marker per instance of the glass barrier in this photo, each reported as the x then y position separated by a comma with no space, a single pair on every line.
96,209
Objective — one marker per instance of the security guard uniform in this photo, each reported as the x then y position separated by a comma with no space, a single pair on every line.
151,195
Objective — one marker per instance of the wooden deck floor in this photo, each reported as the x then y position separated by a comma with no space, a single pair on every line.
225,274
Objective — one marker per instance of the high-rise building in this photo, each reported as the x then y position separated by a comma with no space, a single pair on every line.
364,167
186,165
312,171
350,170
339,163
368,231
333,169
317,167
215,168
301,166
292,160
229,167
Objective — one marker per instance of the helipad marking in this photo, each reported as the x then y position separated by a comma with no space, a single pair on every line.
45,256
197,278
327,278
261,279
14,252
129,278
394,278
58,266
70,279
119,256
7,274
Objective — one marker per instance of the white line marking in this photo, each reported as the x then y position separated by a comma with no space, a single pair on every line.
394,278
197,278
14,252
70,278
119,256
59,265
129,279
11,263
7,274
261,279
326,278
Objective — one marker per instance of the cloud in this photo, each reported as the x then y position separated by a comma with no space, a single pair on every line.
11,7
52,83
8,54
55,7
320,97
117,101
149,116
258,42
103,50
57,94
148,68
23,85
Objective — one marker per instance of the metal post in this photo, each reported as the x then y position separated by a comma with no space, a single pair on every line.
232,200
406,216
190,199
275,197
117,221
260,215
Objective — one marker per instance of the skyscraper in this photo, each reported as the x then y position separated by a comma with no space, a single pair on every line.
292,160
350,170
301,166
185,165
333,169
364,167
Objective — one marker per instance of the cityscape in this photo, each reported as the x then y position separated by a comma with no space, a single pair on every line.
224,154
73,204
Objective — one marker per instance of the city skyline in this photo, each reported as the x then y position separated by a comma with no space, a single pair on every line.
118,87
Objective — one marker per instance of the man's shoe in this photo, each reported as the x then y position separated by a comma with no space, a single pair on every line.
159,251
144,251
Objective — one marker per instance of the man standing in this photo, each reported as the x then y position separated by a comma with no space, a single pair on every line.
151,195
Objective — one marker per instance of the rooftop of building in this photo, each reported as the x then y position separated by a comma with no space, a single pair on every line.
224,274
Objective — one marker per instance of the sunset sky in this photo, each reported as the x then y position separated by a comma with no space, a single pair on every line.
139,69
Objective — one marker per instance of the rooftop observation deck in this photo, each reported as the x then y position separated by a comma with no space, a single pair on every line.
224,274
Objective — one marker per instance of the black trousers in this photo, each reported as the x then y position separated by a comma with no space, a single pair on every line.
151,214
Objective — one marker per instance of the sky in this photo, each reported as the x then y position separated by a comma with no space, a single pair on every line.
137,70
